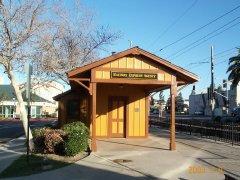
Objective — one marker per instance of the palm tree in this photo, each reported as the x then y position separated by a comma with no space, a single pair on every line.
234,69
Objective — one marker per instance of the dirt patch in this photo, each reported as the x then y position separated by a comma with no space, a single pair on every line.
67,159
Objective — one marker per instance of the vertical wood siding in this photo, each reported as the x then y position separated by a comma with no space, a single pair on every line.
129,63
135,105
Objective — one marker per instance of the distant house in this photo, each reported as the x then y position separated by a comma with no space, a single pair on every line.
42,103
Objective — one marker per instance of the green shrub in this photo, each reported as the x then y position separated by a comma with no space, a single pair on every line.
39,132
77,138
54,141
38,139
70,140
2,117
48,140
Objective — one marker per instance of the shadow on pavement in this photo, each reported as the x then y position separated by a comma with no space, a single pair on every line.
129,144
182,139
88,168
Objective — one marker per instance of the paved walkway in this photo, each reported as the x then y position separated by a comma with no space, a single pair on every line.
11,151
152,158
226,157
149,159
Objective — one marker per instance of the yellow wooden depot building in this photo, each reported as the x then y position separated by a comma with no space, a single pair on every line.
111,96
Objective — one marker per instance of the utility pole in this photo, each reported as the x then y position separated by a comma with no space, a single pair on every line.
212,85
225,86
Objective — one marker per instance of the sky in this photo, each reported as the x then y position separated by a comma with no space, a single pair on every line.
153,24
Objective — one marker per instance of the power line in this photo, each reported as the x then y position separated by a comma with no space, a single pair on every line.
223,56
207,62
222,52
174,22
204,37
204,60
197,63
198,29
221,62
208,39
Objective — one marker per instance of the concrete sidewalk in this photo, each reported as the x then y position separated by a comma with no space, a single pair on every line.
152,157
227,156
148,159
92,167
11,151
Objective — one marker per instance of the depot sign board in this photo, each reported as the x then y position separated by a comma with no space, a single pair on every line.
130,75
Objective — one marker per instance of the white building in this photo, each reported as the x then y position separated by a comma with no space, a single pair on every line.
42,103
47,91
200,104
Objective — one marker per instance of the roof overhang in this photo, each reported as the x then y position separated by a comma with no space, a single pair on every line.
190,77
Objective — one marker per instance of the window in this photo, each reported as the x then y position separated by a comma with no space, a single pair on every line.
1,110
35,111
7,111
38,111
83,109
73,110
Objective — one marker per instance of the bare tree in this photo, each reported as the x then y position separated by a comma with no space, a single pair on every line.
52,39
74,42
19,24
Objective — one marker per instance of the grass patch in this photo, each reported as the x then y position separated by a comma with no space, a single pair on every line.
20,166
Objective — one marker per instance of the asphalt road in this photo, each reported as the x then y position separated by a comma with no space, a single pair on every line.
10,129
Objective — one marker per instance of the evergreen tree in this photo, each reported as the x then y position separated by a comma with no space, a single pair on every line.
168,105
219,89
234,69
152,101
161,98
179,103
161,101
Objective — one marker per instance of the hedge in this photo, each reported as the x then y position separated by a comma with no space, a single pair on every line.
70,140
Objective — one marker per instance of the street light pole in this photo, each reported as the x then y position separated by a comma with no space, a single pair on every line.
28,95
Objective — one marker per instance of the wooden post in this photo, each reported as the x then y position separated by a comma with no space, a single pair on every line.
173,93
147,114
93,118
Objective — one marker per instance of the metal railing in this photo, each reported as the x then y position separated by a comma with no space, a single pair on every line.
225,132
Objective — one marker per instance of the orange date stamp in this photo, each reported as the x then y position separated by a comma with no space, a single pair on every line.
203,169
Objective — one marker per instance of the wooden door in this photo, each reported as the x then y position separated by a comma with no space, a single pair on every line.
117,117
